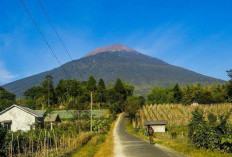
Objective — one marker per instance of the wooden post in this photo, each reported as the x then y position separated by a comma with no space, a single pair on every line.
91,116
51,126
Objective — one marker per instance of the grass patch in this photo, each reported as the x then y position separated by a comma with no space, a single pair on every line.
90,148
101,145
180,145
107,148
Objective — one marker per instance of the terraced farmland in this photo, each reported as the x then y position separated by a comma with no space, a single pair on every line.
179,115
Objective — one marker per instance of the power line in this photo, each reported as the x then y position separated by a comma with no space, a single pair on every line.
46,41
54,28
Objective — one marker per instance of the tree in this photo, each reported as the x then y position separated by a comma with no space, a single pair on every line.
196,127
6,98
67,90
33,93
132,106
4,94
158,95
91,84
119,88
129,89
177,93
229,72
49,96
32,97
101,85
142,101
101,91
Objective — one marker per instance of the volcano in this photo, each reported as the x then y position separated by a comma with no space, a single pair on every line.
117,61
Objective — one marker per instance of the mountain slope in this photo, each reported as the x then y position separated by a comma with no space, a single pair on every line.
117,61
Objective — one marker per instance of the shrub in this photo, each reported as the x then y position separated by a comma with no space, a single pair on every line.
174,135
212,118
3,133
210,135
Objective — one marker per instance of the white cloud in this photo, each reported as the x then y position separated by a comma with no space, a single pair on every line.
5,75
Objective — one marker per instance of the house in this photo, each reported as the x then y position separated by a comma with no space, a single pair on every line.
158,126
52,118
20,118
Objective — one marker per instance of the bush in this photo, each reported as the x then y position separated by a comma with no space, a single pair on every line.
210,135
174,135
3,133
212,118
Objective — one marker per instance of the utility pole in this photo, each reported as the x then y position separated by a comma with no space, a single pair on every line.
91,108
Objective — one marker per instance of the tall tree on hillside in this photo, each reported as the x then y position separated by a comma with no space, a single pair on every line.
101,85
101,91
49,96
177,93
119,88
91,86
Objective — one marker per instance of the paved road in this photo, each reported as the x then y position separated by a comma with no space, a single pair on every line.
127,145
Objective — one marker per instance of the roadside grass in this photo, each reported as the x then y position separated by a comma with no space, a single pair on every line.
98,146
179,145
90,148
107,148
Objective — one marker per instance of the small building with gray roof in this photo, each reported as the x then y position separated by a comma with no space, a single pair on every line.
22,118
158,125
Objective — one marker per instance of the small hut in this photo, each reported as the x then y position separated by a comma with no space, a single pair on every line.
52,118
158,126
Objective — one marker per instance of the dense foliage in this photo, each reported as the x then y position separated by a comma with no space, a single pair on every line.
210,134
73,94
6,98
195,93
3,133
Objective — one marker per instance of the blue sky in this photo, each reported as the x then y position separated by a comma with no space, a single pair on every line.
196,35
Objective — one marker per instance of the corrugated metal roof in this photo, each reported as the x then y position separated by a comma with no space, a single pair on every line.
157,122
69,114
52,117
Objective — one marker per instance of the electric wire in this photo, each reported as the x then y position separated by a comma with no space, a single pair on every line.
44,38
54,28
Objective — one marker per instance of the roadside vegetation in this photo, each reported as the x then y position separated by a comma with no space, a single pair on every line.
99,146
200,125
71,99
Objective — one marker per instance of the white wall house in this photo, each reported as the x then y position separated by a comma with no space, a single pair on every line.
158,126
20,118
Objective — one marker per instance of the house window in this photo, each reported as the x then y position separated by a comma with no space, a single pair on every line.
7,124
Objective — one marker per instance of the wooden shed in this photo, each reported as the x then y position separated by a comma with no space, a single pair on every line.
158,126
